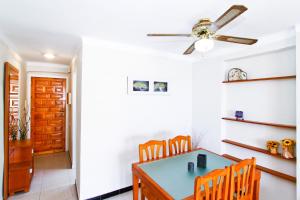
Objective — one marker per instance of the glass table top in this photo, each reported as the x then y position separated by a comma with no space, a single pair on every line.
173,176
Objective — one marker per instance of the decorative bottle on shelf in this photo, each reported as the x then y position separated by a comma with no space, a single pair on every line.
239,115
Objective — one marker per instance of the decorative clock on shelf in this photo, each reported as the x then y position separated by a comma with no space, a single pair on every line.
236,74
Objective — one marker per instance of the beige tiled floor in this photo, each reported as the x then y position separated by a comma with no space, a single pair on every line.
53,179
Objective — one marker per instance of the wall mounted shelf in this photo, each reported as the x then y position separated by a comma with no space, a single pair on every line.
262,79
261,123
245,146
265,169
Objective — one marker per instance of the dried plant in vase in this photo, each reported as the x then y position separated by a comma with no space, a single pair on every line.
13,128
24,124
288,148
196,140
273,146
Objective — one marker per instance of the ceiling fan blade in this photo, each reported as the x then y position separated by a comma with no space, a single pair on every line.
232,13
190,49
158,34
240,40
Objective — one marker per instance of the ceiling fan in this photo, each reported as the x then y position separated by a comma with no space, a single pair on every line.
205,31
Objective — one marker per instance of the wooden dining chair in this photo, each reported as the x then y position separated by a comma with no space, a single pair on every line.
242,180
180,144
213,186
151,150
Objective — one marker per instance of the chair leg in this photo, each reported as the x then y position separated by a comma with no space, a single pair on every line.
142,191
142,196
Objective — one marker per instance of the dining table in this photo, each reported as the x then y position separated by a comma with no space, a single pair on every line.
169,179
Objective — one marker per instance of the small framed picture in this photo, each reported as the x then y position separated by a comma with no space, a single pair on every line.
140,86
147,86
160,87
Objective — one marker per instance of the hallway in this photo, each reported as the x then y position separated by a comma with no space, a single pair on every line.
53,179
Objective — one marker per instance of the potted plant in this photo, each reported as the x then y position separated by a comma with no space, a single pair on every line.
24,125
13,128
196,140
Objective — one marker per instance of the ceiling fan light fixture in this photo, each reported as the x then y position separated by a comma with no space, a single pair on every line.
204,32
204,44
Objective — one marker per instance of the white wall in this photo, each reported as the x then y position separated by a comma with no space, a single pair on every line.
298,100
76,117
46,67
267,101
113,123
77,74
270,101
207,95
6,55
73,83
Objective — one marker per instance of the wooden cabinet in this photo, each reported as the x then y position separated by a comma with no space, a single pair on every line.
21,166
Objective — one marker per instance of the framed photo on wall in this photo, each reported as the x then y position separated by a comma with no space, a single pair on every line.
160,87
147,86
140,86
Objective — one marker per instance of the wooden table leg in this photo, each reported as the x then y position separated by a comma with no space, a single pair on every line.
135,184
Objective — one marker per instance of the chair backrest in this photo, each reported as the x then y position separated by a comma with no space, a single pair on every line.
213,186
180,144
153,149
242,179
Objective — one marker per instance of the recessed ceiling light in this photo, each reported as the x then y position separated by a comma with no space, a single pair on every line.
49,56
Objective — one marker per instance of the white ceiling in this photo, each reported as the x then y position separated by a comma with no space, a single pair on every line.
34,27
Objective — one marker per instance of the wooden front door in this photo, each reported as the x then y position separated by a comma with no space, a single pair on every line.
48,114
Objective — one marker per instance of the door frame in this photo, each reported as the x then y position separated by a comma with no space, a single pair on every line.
7,69
28,97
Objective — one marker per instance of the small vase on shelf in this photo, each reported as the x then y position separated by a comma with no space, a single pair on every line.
288,148
273,146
